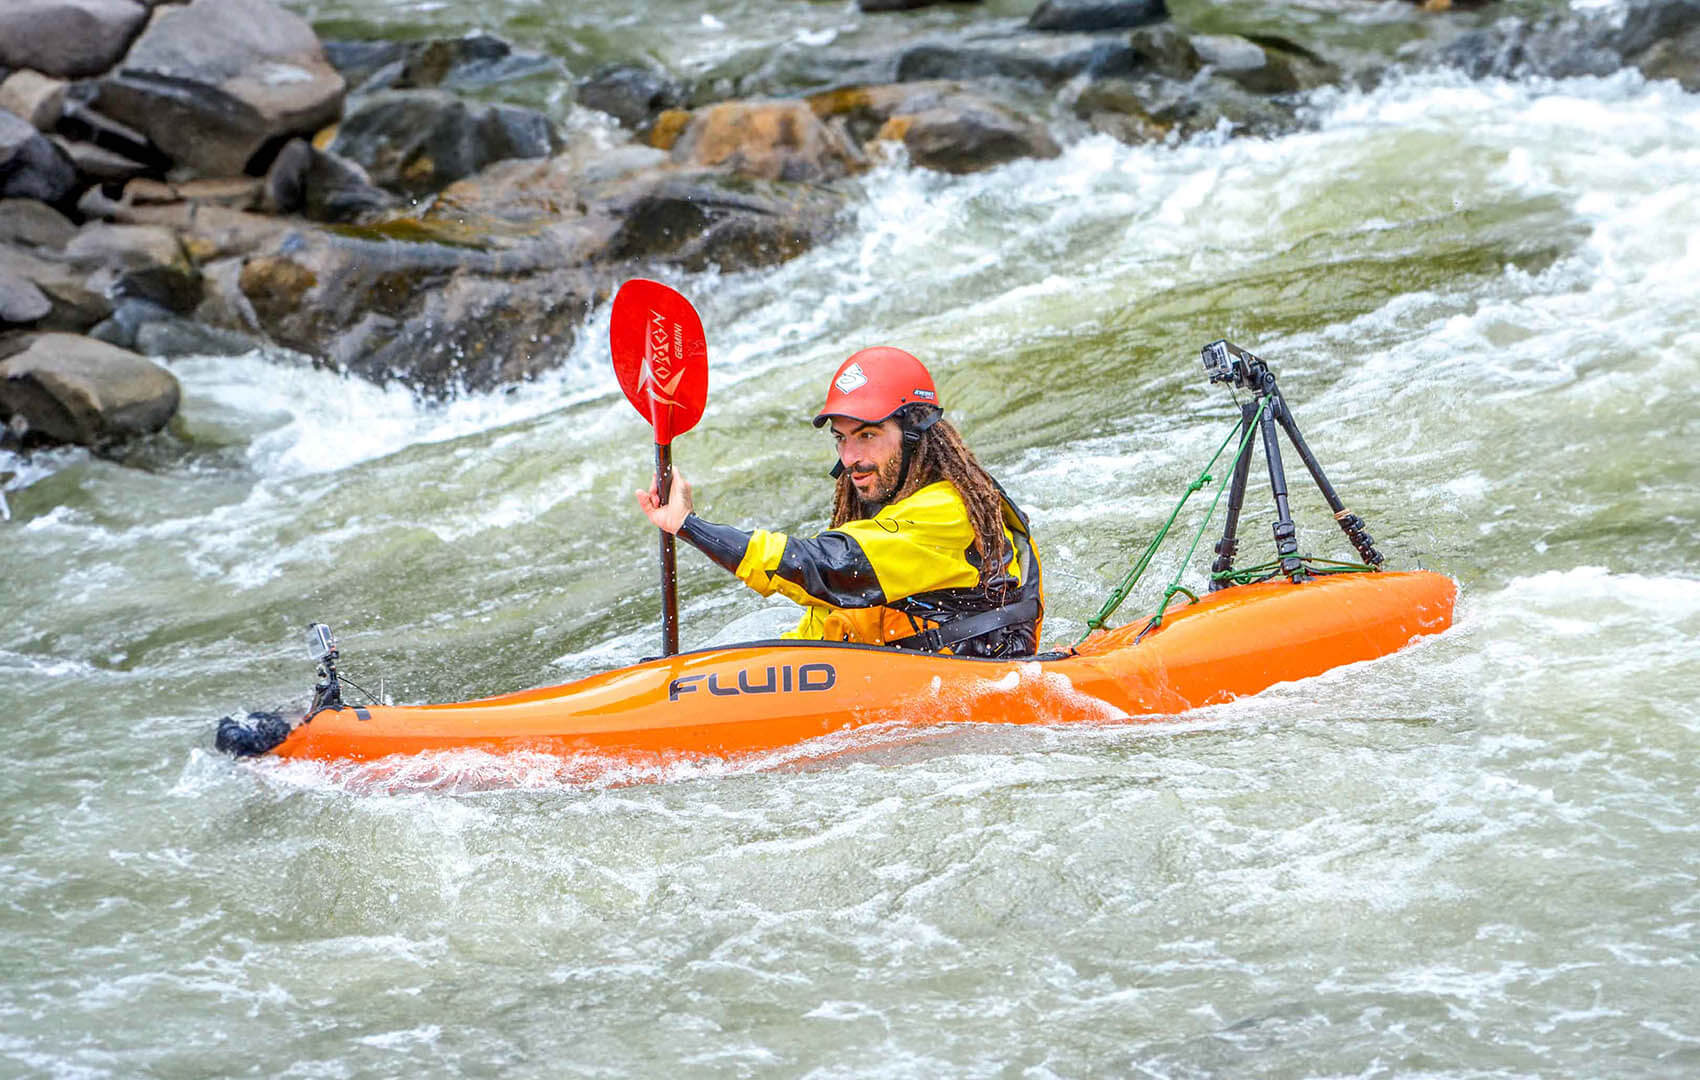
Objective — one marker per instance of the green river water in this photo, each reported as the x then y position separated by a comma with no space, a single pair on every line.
1475,858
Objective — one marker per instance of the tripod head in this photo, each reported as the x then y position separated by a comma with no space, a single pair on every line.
1225,362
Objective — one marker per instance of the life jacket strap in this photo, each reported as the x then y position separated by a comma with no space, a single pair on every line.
956,631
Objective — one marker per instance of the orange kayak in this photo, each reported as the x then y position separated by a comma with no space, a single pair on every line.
767,695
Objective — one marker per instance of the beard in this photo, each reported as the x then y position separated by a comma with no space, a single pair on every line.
881,491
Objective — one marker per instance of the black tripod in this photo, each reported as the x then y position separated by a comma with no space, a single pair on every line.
1225,362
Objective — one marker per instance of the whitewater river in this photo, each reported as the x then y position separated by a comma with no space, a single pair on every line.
1476,858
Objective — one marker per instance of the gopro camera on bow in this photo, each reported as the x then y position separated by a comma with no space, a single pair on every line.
1226,362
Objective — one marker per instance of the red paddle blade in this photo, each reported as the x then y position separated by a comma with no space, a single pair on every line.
660,356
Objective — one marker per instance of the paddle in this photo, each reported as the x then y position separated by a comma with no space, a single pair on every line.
661,360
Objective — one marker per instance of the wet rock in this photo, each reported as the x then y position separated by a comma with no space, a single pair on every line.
1659,37
75,304
1097,14
419,141
475,60
436,318
175,336
358,61
1047,59
322,185
20,301
32,167
73,389
772,140
1264,64
96,163
1149,109
905,5
1165,50
634,96
34,224
218,83
943,125
70,39
35,97
699,219
141,261
82,123
128,316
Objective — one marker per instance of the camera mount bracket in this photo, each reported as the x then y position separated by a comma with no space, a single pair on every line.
1228,363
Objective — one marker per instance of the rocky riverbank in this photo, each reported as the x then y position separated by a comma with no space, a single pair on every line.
212,177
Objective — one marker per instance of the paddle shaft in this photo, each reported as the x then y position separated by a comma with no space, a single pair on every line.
669,564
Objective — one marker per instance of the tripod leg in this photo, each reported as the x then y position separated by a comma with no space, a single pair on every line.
1286,533
1351,524
1228,546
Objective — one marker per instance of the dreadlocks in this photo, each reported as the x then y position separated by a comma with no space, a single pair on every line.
941,455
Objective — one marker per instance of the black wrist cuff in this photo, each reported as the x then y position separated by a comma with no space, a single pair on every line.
724,544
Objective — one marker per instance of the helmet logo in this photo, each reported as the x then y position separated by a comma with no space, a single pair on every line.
852,378
926,395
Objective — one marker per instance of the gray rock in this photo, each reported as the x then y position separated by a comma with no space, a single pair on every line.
82,123
175,336
699,219
1097,14
76,305
947,126
965,140
98,163
34,224
214,84
905,5
1263,64
632,95
37,98
1660,37
31,167
20,301
322,185
128,316
141,261
68,38
419,141
77,390
357,61
478,59
1048,59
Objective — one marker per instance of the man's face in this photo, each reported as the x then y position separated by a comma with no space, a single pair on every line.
872,454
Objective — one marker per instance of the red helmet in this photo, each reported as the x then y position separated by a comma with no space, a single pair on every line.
873,384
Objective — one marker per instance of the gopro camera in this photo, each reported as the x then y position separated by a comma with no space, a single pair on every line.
321,643
1227,362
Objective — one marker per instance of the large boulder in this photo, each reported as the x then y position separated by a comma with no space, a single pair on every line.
74,389
434,317
943,125
68,38
772,140
1659,37
219,83
322,185
478,59
905,5
37,98
20,301
1263,64
34,224
1045,59
31,166
1097,14
696,219
634,96
142,261
420,141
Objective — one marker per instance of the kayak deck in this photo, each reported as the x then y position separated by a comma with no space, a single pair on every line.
766,695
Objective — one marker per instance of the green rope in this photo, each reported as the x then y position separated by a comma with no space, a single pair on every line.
1264,571
1121,592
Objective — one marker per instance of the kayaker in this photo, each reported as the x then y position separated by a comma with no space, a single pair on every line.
925,552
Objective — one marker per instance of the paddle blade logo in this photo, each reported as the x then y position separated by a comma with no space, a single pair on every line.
660,356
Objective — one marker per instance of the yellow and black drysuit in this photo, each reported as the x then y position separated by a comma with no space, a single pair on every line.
908,577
